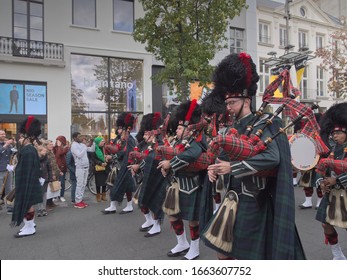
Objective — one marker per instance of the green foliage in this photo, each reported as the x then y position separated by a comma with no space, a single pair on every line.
185,35
334,59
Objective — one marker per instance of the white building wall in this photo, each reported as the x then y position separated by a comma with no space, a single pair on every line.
58,28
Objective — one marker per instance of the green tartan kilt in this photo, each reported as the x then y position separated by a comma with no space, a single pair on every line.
321,214
155,202
252,233
189,205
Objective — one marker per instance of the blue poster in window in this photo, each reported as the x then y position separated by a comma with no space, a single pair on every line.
131,97
11,98
35,100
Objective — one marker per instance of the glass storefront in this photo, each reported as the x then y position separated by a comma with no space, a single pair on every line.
102,88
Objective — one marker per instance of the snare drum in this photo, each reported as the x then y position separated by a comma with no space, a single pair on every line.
303,152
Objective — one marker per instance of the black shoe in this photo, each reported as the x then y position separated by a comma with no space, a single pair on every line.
145,228
147,234
170,254
184,258
108,212
23,235
304,207
125,212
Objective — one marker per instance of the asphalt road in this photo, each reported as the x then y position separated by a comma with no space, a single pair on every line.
86,234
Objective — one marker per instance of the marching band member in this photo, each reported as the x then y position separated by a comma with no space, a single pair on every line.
332,210
27,181
264,220
124,183
152,189
189,195
309,181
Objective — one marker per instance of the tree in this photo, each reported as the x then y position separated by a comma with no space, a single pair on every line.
185,35
334,59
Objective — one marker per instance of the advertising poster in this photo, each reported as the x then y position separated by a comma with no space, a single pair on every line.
131,98
35,100
11,99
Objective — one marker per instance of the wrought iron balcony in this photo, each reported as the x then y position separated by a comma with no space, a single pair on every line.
31,49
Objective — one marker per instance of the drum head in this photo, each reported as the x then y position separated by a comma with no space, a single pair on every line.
303,152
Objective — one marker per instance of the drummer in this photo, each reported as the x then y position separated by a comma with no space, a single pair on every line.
264,225
309,181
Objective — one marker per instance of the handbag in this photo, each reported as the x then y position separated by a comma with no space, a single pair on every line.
55,186
99,167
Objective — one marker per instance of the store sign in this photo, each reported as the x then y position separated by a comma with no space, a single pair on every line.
35,100
23,98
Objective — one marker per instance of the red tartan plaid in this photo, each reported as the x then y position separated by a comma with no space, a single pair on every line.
202,162
338,166
112,149
168,152
237,148
136,157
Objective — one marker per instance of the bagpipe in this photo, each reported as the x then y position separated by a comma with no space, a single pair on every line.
328,164
219,231
241,147
137,155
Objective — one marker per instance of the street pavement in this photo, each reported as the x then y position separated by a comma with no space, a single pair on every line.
86,234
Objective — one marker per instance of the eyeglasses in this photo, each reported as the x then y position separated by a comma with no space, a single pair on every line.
233,102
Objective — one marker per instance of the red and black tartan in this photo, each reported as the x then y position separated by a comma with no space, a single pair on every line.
339,166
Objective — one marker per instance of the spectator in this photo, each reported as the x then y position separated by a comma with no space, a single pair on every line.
70,164
48,144
60,149
79,151
46,177
6,168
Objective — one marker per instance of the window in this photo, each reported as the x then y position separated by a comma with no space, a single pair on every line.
304,85
236,40
28,19
84,13
123,15
101,88
319,41
264,33
303,43
303,11
320,81
264,75
283,37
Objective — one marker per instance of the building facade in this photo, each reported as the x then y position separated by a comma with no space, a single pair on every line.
75,65
308,29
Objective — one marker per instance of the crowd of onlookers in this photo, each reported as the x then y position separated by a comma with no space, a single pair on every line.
58,159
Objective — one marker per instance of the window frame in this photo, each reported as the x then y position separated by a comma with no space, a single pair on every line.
320,81
264,75
264,36
304,83
114,18
234,31
73,15
303,39
28,20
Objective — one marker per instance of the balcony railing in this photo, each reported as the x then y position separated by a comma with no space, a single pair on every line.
31,49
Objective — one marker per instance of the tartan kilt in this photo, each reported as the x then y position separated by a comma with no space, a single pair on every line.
124,183
322,209
252,233
189,205
153,190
